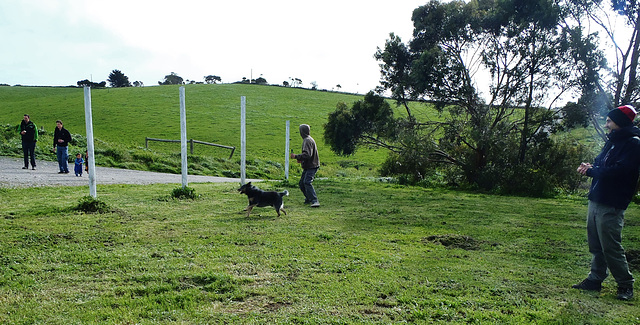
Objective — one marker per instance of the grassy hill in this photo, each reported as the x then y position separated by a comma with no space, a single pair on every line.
123,117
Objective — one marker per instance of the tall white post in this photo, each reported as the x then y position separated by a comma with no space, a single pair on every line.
243,139
286,153
91,160
183,137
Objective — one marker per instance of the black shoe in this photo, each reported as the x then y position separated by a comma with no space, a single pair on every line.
25,167
34,168
587,284
60,172
625,293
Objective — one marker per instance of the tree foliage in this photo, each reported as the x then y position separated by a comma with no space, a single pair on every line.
117,79
574,115
172,79
624,83
367,122
493,70
87,83
621,85
211,79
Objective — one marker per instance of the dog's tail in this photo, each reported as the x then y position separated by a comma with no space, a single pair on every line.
283,193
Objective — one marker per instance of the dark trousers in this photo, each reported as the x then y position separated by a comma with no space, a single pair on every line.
306,185
29,150
604,234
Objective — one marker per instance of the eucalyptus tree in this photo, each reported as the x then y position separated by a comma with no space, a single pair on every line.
212,79
624,86
494,69
172,79
619,22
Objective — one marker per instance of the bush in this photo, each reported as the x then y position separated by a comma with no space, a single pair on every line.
89,204
550,166
184,193
414,163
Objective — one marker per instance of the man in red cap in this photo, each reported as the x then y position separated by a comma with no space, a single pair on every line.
614,176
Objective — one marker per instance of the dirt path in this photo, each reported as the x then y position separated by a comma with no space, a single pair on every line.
46,174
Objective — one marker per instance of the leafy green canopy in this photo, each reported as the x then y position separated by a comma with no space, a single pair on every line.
366,122
489,68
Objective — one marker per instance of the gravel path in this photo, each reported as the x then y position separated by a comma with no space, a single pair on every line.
46,174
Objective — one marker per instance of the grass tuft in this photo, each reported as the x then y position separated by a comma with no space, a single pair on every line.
89,204
184,193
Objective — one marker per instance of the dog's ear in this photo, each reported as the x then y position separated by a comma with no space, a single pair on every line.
249,184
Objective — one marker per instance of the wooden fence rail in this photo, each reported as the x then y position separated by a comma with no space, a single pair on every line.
191,142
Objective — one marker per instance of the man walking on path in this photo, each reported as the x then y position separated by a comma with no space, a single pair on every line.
614,176
29,133
61,139
310,163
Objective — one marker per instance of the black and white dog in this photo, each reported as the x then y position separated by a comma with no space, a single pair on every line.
260,198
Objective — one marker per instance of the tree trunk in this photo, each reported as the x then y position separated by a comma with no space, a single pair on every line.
633,83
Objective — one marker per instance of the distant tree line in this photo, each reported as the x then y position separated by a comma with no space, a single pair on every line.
117,79
91,84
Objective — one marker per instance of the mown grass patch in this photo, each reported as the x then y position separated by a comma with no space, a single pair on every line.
373,252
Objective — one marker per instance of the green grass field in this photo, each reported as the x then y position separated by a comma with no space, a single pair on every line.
373,253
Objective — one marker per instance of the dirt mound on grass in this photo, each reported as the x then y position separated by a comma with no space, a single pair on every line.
454,241
633,258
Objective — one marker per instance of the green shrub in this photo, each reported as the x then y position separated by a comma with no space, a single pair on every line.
184,193
89,204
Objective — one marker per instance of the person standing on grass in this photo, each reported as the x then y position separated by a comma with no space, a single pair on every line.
310,163
61,139
29,133
614,182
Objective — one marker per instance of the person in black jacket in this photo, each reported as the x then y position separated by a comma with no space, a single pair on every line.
614,182
61,139
29,133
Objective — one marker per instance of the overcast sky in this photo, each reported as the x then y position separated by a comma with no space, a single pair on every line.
331,42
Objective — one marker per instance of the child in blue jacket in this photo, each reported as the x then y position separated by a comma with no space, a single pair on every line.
78,166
